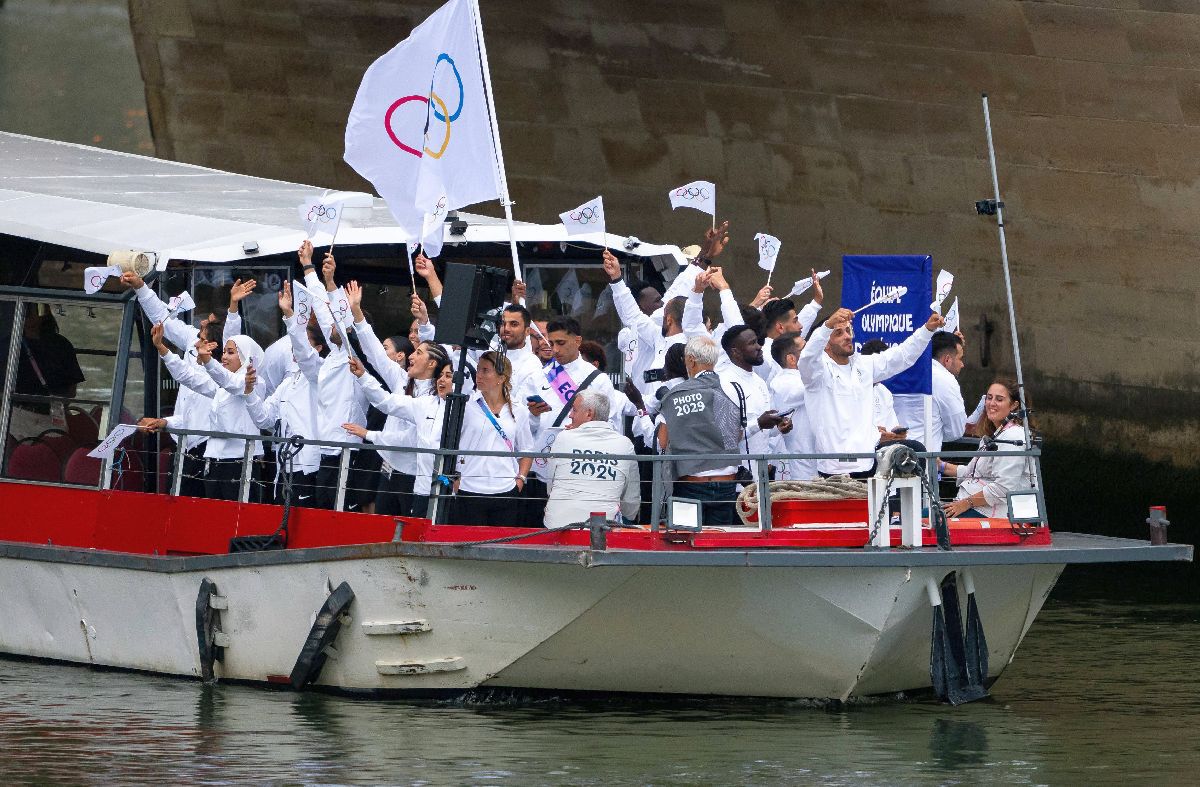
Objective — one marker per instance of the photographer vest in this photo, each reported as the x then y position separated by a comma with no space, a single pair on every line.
701,419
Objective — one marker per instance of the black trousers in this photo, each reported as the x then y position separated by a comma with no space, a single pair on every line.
499,510
192,482
325,494
223,480
532,509
395,496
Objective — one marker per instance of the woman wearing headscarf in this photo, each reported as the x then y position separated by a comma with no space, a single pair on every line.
219,382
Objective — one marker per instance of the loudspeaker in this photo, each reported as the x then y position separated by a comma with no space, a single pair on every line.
471,298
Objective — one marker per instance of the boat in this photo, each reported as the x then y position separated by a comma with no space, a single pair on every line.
103,563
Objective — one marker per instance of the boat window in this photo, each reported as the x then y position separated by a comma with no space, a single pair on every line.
61,392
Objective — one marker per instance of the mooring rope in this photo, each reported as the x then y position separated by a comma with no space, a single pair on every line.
839,487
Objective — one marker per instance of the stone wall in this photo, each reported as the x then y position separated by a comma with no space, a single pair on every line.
845,126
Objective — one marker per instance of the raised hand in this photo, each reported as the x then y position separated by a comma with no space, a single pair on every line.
328,268
715,240
839,319
207,321
716,279
763,297
305,253
251,378
132,280
239,291
356,429
356,368
204,351
612,267
156,338
818,292
518,291
934,322
285,299
354,294
419,309
701,282
423,266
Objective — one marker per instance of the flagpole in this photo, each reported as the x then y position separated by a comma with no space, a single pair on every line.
505,199
769,275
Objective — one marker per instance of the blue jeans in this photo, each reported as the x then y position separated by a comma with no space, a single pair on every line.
716,500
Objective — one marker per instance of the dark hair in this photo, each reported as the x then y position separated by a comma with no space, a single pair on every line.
945,343
568,325
675,308
673,363
775,311
873,346
593,353
317,338
753,319
517,308
783,345
402,344
638,286
730,336
438,353
985,427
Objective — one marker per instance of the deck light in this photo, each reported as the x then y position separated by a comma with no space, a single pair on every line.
683,514
1026,507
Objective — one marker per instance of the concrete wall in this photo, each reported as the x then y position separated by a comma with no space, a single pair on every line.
847,126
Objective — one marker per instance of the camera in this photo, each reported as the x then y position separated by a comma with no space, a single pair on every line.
654,376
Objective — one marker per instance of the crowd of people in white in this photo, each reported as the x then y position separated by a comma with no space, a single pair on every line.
768,378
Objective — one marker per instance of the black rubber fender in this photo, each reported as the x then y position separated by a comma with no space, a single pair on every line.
208,623
324,632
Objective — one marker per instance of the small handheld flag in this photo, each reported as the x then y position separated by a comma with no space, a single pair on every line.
952,319
586,219
803,285
94,278
768,253
893,293
181,303
698,195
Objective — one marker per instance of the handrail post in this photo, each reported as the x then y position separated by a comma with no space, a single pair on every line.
247,472
657,488
764,495
177,465
343,474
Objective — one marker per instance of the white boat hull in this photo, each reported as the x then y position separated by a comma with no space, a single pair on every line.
783,631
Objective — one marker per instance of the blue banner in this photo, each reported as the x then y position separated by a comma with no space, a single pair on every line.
865,278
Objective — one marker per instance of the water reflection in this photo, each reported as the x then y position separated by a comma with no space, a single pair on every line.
1093,688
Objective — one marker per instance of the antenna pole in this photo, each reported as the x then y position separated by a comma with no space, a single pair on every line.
1012,312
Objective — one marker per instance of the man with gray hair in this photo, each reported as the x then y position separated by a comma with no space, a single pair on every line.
699,418
588,481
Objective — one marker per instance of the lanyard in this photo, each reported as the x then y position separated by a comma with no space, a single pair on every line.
495,424
560,381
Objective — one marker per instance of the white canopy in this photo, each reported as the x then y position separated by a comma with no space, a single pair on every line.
101,201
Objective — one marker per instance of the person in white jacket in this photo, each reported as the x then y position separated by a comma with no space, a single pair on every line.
222,383
425,415
984,483
839,389
587,482
191,408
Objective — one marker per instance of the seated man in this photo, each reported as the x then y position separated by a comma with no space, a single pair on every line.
698,417
589,483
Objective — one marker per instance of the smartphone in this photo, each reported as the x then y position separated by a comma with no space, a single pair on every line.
786,413
900,430
535,399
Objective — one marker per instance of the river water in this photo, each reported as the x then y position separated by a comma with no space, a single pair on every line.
1103,690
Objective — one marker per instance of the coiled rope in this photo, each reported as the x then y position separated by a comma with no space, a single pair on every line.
840,487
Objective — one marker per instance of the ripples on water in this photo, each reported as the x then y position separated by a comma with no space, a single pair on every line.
1099,693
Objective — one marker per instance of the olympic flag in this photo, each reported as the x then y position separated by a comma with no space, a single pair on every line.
699,195
94,278
420,128
941,290
768,250
802,286
320,216
181,303
586,219
952,318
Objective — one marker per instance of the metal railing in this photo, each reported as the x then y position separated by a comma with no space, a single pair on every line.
659,482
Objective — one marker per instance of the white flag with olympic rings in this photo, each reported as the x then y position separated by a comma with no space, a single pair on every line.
319,217
94,278
588,218
420,128
768,250
699,195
